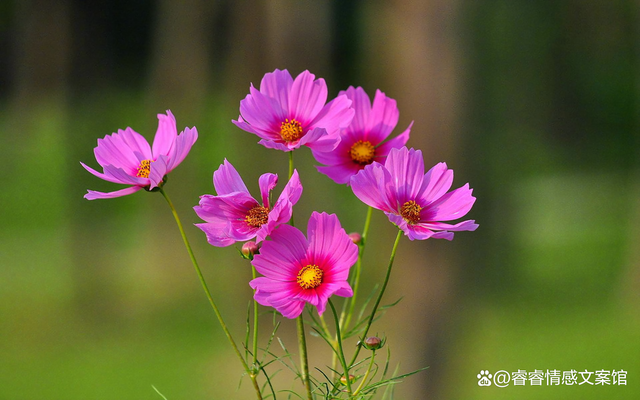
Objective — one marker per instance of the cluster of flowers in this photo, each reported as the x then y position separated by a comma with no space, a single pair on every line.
348,136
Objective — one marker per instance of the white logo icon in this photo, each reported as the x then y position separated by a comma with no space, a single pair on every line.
484,378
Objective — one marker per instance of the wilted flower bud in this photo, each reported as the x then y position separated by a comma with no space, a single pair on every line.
249,249
373,343
343,379
355,237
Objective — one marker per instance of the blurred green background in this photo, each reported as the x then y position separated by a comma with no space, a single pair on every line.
536,104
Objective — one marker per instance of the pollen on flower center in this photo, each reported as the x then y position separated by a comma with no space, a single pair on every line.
290,130
309,277
362,152
257,216
410,211
144,169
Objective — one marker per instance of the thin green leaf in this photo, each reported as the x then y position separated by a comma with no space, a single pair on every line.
273,334
157,391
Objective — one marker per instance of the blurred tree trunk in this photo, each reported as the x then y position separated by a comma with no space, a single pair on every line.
181,60
41,48
413,44
283,34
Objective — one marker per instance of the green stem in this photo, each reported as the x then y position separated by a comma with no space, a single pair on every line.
302,341
255,324
366,374
290,163
304,363
356,281
340,350
377,303
208,294
290,174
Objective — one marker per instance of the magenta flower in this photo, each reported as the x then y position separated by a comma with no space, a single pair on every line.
412,200
362,141
298,271
234,216
127,158
287,113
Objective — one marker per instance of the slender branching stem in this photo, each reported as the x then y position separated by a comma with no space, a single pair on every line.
366,374
302,342
379,298
255,325
208,294
304,363
340,350
356,281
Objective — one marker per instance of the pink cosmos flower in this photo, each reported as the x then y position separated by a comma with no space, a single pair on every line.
362,141
234,216
287,113
127,158
298,270
412,200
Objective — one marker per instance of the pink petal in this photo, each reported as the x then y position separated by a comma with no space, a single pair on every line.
382,119
227,180
93,195
216,232
339,155
468,225
110,178
330,247
158,170
270,144
280,214
293,190
118,175
277,85
406,168
453,205
436,183
373,186
279,258
119,150
181,148
341,173
336,115
318,139
361,104
307,97
165,135
263,114
267,182
232,206
395,143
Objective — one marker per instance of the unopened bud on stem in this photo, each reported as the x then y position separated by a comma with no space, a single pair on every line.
249,249
355,237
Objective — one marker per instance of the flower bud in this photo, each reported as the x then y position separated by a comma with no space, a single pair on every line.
372,343
249,249
355,237
343,379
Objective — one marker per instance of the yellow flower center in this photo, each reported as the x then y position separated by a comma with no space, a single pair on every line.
309,277
144,169
290,130
257,216
410,211
362,152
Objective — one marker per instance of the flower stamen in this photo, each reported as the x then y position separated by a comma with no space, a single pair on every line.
290,131
362,152
410,211
144,169
309,277
257,216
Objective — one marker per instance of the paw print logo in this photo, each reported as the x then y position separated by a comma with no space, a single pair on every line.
484,378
